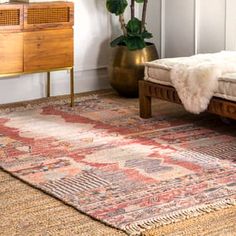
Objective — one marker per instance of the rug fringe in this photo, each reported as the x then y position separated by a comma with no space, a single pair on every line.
140,227
40,103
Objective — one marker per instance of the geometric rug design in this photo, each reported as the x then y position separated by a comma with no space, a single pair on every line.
132,174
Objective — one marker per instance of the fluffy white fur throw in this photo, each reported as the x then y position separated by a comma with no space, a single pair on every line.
196,78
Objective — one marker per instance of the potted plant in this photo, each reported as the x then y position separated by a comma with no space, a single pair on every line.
131,49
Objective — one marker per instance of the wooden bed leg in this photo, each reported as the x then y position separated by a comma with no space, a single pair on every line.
145,110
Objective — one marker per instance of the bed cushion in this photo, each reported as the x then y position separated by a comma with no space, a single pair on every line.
159,72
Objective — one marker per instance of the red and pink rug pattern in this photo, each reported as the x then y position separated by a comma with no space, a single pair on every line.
132,174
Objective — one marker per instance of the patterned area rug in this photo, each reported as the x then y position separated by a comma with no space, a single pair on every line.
129,173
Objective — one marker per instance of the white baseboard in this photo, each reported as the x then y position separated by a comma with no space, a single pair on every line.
33,86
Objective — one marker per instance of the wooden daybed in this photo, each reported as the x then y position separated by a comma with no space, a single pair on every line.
149,90
157,84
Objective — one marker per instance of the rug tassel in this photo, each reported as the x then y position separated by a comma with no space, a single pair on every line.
139,228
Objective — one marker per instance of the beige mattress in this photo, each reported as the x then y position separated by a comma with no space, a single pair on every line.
159,72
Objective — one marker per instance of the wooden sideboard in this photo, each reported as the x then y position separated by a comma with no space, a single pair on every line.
37,37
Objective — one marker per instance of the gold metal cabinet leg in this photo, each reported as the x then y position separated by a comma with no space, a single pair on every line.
48,84
72,86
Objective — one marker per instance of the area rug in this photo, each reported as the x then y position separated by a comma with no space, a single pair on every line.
129,173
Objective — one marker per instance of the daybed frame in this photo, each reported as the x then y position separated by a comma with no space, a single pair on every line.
147,90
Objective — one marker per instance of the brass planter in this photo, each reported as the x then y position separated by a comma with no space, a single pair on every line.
127,68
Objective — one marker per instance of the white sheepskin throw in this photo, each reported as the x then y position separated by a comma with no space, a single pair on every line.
195,78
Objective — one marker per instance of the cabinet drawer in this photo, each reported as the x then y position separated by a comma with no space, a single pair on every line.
49,49
48,15
11,53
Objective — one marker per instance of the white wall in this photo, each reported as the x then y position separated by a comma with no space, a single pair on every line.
231,25
211,26
197,26
154,22
179,28
92,35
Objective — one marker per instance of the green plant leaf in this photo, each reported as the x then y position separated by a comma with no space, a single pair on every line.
146,35
117,41
116,7
134,43
134,36
134,26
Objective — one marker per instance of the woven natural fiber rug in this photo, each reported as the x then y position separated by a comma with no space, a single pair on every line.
132,174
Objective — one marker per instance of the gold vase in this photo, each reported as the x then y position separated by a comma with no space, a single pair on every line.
127,68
